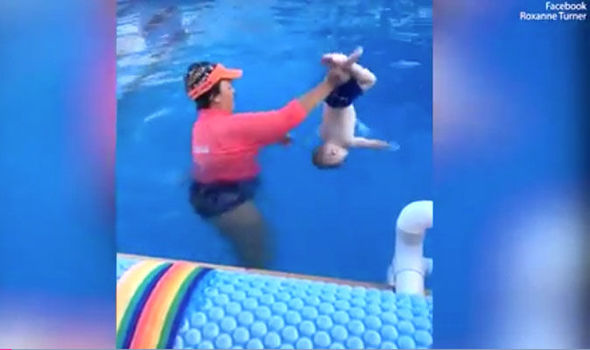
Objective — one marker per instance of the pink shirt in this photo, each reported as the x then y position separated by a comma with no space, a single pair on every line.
225,145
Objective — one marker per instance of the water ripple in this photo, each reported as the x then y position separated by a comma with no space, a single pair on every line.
230,30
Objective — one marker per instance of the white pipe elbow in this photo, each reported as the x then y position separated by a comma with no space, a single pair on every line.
416,217
408,266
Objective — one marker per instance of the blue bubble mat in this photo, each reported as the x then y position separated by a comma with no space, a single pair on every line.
186,306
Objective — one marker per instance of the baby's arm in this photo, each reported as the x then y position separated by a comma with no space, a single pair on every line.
361,142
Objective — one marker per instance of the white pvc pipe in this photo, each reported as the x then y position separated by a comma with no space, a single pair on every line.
408,266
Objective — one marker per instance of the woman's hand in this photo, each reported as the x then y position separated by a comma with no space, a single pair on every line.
337,76
340,66
287,140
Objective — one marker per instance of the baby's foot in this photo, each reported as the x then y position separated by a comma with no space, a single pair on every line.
334,59
342,60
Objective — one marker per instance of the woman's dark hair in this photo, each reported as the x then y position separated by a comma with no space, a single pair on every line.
204,101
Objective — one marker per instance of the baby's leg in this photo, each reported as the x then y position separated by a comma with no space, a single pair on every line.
365,78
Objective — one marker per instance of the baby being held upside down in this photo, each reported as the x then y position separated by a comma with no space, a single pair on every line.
339,116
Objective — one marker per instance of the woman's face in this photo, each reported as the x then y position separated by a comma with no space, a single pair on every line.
225,98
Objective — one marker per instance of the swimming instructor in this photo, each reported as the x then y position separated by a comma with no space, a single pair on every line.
224,150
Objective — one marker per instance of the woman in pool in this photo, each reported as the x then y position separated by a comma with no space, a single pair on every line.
224,149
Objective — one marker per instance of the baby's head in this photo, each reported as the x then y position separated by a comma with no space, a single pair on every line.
329,155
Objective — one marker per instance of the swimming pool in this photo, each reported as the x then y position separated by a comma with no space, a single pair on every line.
335,223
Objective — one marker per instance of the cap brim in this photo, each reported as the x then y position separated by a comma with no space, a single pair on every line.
230,73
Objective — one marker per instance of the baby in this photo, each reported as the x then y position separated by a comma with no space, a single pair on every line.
339,115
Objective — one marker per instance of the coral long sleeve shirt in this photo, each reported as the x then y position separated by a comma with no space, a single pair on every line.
225,145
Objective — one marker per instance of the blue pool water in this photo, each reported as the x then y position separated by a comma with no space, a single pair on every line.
329,223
